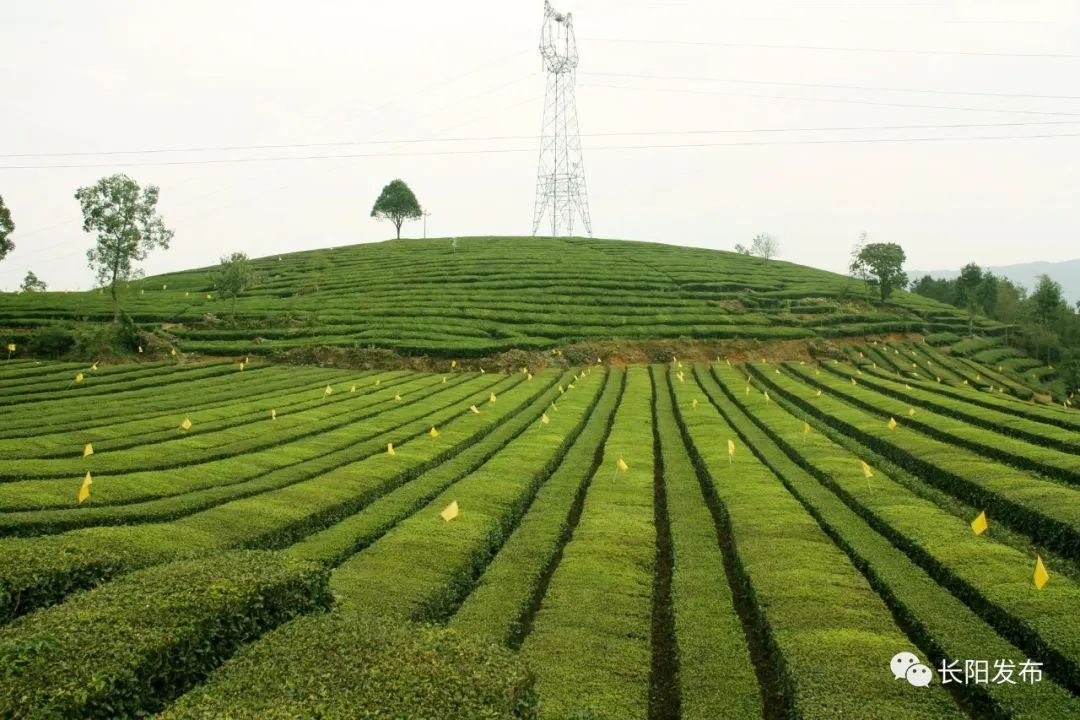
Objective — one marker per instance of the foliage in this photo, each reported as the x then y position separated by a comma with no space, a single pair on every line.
32,283
51,341
127,225
343,666
396,203
765,246
234,276
132,645
883,265
6,228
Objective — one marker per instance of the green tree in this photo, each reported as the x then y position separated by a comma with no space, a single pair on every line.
32,283
128,227
6,228
396,203
233,276
881,264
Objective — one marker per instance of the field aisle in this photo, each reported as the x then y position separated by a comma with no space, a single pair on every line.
591,638
830,635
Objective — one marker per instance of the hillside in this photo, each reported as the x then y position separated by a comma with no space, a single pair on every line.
481,296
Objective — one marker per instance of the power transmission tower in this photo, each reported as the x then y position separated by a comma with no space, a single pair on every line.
560,178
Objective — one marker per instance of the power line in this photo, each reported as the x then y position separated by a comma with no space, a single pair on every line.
493,138
832,48
835,86
833,100
497,151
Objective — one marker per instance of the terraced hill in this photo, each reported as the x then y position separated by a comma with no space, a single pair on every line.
480,296
694,541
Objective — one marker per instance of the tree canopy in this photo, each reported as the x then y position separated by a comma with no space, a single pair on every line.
127,225
233,276
32,283
6,228
396,203
881,264
765,246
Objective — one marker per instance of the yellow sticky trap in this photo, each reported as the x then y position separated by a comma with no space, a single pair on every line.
694,403
377,381
140,348
93,368
186,425
390,449
767,398
352,388
327,391
979,524
911,412
866,470
730,449
433,432
453,364
621,464
806,427
78,377
172,351
892,423
87,450
491,398
450,512
273,414
11,347
397,398
84,490
544,419
444,379
1041,577
474,410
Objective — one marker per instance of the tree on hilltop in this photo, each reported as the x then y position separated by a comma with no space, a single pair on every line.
765,246
881,264
233,276
6,228
396,203
32,283
125,218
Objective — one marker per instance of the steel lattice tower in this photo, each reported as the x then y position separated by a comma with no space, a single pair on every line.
560,177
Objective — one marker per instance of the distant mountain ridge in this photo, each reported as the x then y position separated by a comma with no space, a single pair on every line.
1066,273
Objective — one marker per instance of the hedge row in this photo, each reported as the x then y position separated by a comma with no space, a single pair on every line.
506,595
41,571
715,670
1045,511
923,561
590,639
348,666
826,630
134,644
299,441
424,566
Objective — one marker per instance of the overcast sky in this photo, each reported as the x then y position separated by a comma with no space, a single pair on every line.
95,76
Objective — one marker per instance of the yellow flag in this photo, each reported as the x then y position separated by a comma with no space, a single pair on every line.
186,425
866,470
165,286
78,377
491,398
11,347
241,367
806,427
914,365
327,391
273,414
453,363
433,432
730,449
172,351
911,412
444,379
854,381
93,368
474,410
544,419
140,348
84,491
390,449
571,386
892,423
528,376
450,511
818,394
777,371
397,398
965,382
209,296
622,465
561,391
979,524
767,396
680,376
87,450
483,372
352,389
1041,577
247,360
693,403
377,381
747,389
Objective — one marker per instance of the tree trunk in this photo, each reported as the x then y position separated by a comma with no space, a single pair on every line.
397,224
115,301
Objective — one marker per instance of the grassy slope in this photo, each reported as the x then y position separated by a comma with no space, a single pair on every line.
487,295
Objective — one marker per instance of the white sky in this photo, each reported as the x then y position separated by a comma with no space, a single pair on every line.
98,75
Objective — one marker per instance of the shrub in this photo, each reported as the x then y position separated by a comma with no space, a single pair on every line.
51,341
130,646
346,666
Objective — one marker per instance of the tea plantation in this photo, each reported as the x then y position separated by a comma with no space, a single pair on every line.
679,540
